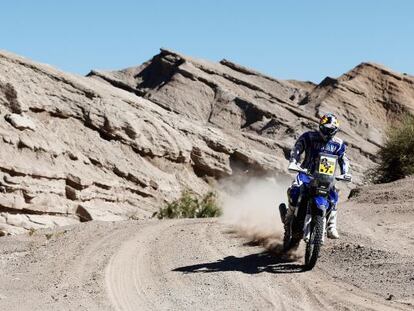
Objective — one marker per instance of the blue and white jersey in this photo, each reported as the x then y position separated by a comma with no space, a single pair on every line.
312,143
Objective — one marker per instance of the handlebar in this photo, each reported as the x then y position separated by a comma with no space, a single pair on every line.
345,178
293,167
298,169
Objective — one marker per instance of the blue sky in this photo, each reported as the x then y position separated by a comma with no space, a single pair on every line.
304,40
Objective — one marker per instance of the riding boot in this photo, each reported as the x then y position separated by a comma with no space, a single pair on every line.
288,223
289,214
332,233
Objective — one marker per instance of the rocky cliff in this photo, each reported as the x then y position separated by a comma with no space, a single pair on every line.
116,145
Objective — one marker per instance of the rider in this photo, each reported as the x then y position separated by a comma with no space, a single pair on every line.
312,143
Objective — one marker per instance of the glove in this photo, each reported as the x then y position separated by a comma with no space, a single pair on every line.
293,166
345,177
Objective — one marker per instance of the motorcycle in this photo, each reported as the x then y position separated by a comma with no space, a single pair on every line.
309,219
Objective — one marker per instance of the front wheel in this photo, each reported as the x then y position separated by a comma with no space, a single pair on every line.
315,242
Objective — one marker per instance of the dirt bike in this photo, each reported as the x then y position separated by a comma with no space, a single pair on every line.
310,217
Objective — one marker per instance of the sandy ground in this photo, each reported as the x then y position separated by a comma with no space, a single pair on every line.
208,265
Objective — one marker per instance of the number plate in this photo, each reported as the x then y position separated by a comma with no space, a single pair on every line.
327,165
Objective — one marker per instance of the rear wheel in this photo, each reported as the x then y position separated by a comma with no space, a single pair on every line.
282,211
314,245
293,233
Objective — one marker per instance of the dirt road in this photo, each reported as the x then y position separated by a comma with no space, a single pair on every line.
168,265
192,265
205,265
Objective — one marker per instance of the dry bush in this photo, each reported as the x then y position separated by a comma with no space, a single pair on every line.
189,205
397,155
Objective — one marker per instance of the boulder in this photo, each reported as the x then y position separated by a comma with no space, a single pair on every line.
20,122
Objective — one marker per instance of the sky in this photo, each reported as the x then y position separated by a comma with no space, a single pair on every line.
303,40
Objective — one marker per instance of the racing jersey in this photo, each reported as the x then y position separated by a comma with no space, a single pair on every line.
312,143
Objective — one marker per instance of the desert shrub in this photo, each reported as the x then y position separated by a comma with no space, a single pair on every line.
32,231
397,155
189,205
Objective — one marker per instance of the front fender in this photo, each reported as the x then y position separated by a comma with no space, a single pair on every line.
321,204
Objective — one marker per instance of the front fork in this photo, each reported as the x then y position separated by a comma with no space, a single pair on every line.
318,205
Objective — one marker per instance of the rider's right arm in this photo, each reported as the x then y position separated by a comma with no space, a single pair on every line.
298,149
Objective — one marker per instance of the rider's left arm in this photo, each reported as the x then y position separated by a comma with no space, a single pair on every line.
343,160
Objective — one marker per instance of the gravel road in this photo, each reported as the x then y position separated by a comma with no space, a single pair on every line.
206,265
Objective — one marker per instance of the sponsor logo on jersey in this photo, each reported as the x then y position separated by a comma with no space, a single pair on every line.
329,147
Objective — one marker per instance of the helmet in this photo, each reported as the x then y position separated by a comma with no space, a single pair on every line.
328,125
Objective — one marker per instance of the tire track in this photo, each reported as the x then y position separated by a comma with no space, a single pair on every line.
195,265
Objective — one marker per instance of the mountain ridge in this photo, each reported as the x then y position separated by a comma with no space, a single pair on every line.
119,144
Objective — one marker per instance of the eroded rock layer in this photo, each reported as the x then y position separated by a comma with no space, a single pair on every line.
117,145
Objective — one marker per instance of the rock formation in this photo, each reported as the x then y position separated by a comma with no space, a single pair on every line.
116,145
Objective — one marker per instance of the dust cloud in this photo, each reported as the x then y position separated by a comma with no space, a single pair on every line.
251,208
